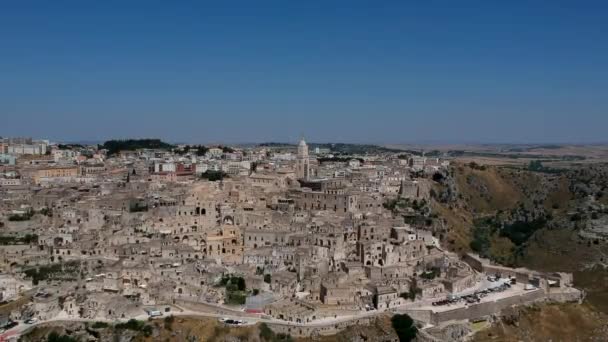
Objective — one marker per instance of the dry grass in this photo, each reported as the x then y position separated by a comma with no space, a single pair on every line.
204,329
550,322
8,307
210,330
502,248
500,193
489,161
595,283
558,250
562,250
382,330
459,223
559,197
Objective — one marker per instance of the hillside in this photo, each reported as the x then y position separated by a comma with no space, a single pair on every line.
174,329
549,221
471,192
543,219
552,322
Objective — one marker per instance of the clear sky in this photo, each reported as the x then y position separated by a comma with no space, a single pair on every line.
342,71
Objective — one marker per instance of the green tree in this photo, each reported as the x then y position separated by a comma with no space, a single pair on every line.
404,327
266,334
535,165
227,149
201,150
214,175
115,146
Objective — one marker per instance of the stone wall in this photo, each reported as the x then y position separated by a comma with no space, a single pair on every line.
485,309
420,315
425,316
566,296
475,311
203,307
324,329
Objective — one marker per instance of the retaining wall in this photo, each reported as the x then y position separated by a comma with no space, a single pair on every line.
203,307
318,329
485,309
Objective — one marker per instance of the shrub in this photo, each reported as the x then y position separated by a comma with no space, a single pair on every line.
131,324
21,217
138,207
265,333
233,283
481,241
46,212
53,271
55,337
213,176
236,297
431,274
520,231
147,330
169,322
100,325
283,338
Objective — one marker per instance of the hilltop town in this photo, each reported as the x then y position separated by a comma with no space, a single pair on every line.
308,241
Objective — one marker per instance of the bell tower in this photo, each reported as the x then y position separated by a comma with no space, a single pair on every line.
303,161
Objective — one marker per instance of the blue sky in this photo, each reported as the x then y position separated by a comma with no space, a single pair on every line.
343,71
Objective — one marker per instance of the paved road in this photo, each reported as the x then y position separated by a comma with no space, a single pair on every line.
22,328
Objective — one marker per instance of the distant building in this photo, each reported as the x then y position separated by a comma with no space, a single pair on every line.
7,159
320,150
215,152
303,161
24,146
56,173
